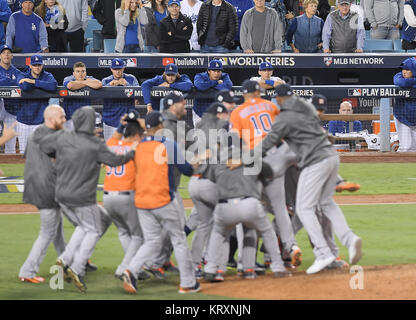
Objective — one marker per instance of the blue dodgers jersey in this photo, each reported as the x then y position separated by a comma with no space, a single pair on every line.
8,78
71,105
114,109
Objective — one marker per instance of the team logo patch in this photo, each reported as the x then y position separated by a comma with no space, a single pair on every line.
328,61
131,62
167,61
354,92
63,93
16,93
224,60
128,92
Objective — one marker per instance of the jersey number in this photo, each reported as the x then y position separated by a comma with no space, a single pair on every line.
261,123
117,171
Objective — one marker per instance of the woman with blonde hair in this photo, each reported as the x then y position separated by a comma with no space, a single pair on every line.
129,17
56,22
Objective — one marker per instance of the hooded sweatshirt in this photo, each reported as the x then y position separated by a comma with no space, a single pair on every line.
299,125
79,154
39,174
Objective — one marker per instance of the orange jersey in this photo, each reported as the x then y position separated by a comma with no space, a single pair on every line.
253,120
123,177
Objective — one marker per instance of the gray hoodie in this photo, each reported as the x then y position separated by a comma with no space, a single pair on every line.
384,13
79,154
39,174
299,125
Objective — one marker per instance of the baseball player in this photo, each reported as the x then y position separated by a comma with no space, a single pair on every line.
215,79
8,107
252,121
78,80
266,79
318,161
39,178
30,112
119,186
157,206
79,154
114,109
169,79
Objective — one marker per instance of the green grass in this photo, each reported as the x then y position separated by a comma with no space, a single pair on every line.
387,232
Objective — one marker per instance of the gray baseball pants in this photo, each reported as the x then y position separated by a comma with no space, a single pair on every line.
51,230
121,209
153,222
315,188
193,219
204,194
250,212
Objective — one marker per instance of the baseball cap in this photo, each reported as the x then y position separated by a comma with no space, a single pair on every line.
215,65
283,90
225,96
250,86
265,66
133,115
171,99
153,119
117,64
36,59
319,101
174,2
344,1
4,47
171,68
21,1
216,108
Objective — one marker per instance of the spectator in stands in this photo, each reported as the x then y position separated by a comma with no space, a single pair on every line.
129,33
26,31
266,79
30,113
307,30
78,80
211,81
175,30
5,14
323,9
408,33
261,30
341,126
343,30
404,109
157,11
190,8
385,17
169,79
280,8
56,22
114,109
77,13
8,107
294,8
241,7
216,26
103,11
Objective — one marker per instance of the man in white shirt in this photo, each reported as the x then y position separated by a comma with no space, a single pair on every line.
266,79
190,8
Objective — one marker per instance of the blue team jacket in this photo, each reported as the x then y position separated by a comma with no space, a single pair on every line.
203,83
114,109
404,109
31,110
71,105
183,84
340,126
8,78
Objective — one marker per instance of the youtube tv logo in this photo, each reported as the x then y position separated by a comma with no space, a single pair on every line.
28,61
63,93
167,61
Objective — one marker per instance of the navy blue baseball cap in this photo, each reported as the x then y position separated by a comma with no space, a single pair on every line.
174,2
4,47
283,90
171,68
319,101
265,66
36,59
21,1
171,99
117,63
153,119
216,108
215,65
250,86
226,96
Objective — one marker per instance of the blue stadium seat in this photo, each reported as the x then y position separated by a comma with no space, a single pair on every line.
367,34
109,45
88,35
378,45
397,45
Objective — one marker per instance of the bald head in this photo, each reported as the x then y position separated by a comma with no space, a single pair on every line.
345,108
54,116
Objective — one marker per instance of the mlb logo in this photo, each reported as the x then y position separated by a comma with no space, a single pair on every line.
27,61
328,61
131,62
63,93
16,93
354,92
167,61
128,92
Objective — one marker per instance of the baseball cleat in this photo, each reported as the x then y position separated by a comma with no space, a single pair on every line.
282,274
129,282
347,186
158,273
219,276
249,274
354,251
260,269
90,267
170,267
192,289
143,275
199,274
319,264
232,264
78,280
295,256
59,262
33,280
338,263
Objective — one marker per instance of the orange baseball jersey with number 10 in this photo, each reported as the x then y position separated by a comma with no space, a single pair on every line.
123,177
253,120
